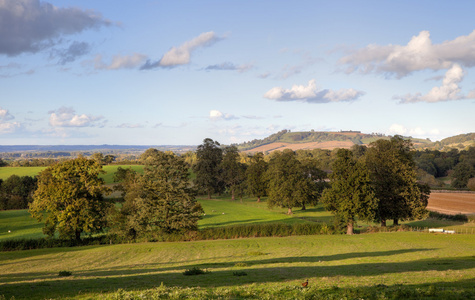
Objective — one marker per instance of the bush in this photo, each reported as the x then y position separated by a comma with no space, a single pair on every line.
441,216
195,271
239,273
64,273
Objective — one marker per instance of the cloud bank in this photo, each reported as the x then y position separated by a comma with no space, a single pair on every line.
311,94
5,125
419,54
31,25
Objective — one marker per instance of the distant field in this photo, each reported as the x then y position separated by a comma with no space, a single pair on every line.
452,203
302,146
6,172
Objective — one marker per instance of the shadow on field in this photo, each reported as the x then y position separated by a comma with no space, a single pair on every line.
41,285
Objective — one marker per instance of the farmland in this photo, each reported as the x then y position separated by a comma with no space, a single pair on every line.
452,203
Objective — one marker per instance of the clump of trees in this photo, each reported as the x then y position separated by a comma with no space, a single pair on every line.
161,200
16,192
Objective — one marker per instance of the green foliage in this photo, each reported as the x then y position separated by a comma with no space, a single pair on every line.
256,176
462,173
195,271
65,273
161,200
16,192
441,216
207,168
71,194
232,171
394,178
351,195
291,182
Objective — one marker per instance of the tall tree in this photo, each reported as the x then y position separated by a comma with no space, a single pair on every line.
160,200
289,183
394,178
232,170
70,195
255,176
351,195
209,156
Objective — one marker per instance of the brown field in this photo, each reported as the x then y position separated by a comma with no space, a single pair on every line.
303,146
452,203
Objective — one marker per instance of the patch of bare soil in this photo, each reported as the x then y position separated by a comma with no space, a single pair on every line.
452,203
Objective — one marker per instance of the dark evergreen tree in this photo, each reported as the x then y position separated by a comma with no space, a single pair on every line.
207,168
256,176
232,171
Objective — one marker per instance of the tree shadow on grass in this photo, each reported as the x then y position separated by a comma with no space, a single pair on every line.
22,285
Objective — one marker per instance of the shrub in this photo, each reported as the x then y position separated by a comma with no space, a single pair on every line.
239,273
195,271
441,216
64,273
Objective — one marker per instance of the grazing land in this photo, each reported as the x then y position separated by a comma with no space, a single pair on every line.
274,267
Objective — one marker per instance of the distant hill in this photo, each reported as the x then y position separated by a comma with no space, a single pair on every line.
286,139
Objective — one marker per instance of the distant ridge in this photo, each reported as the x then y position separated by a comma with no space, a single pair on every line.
80,148
308,140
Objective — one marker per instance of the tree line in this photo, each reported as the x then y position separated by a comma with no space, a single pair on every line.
375,183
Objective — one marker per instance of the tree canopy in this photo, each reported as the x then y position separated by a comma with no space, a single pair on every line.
70,198
207,168
351,195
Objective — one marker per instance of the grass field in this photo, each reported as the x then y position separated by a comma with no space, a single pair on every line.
6,172
384,259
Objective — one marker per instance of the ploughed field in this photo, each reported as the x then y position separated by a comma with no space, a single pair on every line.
452,203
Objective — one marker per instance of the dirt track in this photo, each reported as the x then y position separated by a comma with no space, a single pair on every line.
452,203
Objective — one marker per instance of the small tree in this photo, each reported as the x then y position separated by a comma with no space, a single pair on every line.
351,195
70,196
462,173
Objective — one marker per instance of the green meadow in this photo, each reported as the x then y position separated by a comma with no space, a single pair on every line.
410,265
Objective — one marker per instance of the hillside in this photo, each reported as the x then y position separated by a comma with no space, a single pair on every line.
286,139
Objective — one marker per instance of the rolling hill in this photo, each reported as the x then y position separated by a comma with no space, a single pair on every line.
286,139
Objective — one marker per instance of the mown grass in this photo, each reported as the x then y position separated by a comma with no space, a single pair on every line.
372,261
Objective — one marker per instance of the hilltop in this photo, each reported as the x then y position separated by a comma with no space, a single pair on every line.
286,139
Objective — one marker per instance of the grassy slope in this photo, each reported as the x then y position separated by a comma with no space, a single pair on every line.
345,261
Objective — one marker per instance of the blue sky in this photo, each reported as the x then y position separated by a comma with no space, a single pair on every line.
176,72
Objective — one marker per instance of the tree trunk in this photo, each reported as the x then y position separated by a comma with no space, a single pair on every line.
303,207
289,212
78,235
349,228
258,198
396,222
232,195
383,223
209,195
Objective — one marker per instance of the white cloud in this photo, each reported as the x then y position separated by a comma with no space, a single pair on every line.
31,25
181,55
414,132
448,91
216,115
66,117
418,54
311,94
5,126
119,62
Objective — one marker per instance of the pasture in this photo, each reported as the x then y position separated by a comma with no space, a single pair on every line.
407,263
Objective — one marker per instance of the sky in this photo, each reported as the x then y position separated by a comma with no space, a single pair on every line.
88,72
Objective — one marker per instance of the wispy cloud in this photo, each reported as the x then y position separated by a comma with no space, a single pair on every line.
70,54
228,66
67,117
32,25
311,94
131,126
119,62
181,55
